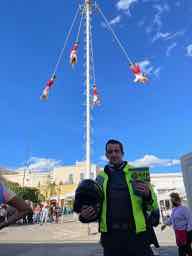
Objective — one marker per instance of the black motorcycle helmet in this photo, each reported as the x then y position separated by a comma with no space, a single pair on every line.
88,193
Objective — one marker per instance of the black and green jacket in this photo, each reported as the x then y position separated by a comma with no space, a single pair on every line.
136,203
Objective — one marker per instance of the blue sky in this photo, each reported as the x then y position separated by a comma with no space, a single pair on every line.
153,121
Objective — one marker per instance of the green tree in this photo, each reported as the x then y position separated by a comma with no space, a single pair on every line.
27,193
31,194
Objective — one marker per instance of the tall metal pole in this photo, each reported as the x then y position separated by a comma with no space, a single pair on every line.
88,111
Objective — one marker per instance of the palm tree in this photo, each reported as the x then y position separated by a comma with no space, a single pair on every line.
51,188
59,189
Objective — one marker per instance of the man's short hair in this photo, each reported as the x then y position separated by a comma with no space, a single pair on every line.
112,141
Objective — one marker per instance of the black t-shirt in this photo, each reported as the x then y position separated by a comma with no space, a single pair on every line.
119,199
119,208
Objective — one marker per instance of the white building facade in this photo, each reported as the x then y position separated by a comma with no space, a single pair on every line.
165,184
186,165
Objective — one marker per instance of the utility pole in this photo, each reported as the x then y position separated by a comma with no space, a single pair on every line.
88,110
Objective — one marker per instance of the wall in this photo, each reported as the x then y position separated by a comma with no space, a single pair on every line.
186,165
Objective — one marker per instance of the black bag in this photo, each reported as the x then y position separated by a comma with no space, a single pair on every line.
88,193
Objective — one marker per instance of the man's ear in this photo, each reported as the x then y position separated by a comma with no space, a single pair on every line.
106,155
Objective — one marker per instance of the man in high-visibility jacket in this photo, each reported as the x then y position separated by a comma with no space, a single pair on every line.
122,221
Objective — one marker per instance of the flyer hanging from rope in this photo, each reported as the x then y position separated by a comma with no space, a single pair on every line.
140,76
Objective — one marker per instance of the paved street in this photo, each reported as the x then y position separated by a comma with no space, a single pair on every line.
47,233
70,238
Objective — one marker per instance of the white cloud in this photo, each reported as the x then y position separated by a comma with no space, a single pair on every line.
146,66
170,48
156,72
103,158
125,4
173,35
189,50
160,35
167,35
154,161
150,161
157,22
112,22
157,19
40,164
115,20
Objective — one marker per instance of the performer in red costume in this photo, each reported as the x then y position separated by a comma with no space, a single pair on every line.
47,88
140,77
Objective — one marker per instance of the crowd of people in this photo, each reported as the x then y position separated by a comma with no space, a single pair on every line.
39,214
50,213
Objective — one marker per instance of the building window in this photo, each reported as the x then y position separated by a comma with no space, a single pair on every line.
82,176
71,179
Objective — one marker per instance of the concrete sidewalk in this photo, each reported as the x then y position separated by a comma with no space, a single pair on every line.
70,239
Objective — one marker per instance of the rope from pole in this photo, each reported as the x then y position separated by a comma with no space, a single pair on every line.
80,25
115,36
65,42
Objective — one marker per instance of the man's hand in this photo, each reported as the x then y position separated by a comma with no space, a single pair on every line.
141,188
163,227
88,213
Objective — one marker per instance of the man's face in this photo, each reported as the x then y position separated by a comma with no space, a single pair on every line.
114,154
174,202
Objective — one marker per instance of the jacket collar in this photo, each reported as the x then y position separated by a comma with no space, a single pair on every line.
110,167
